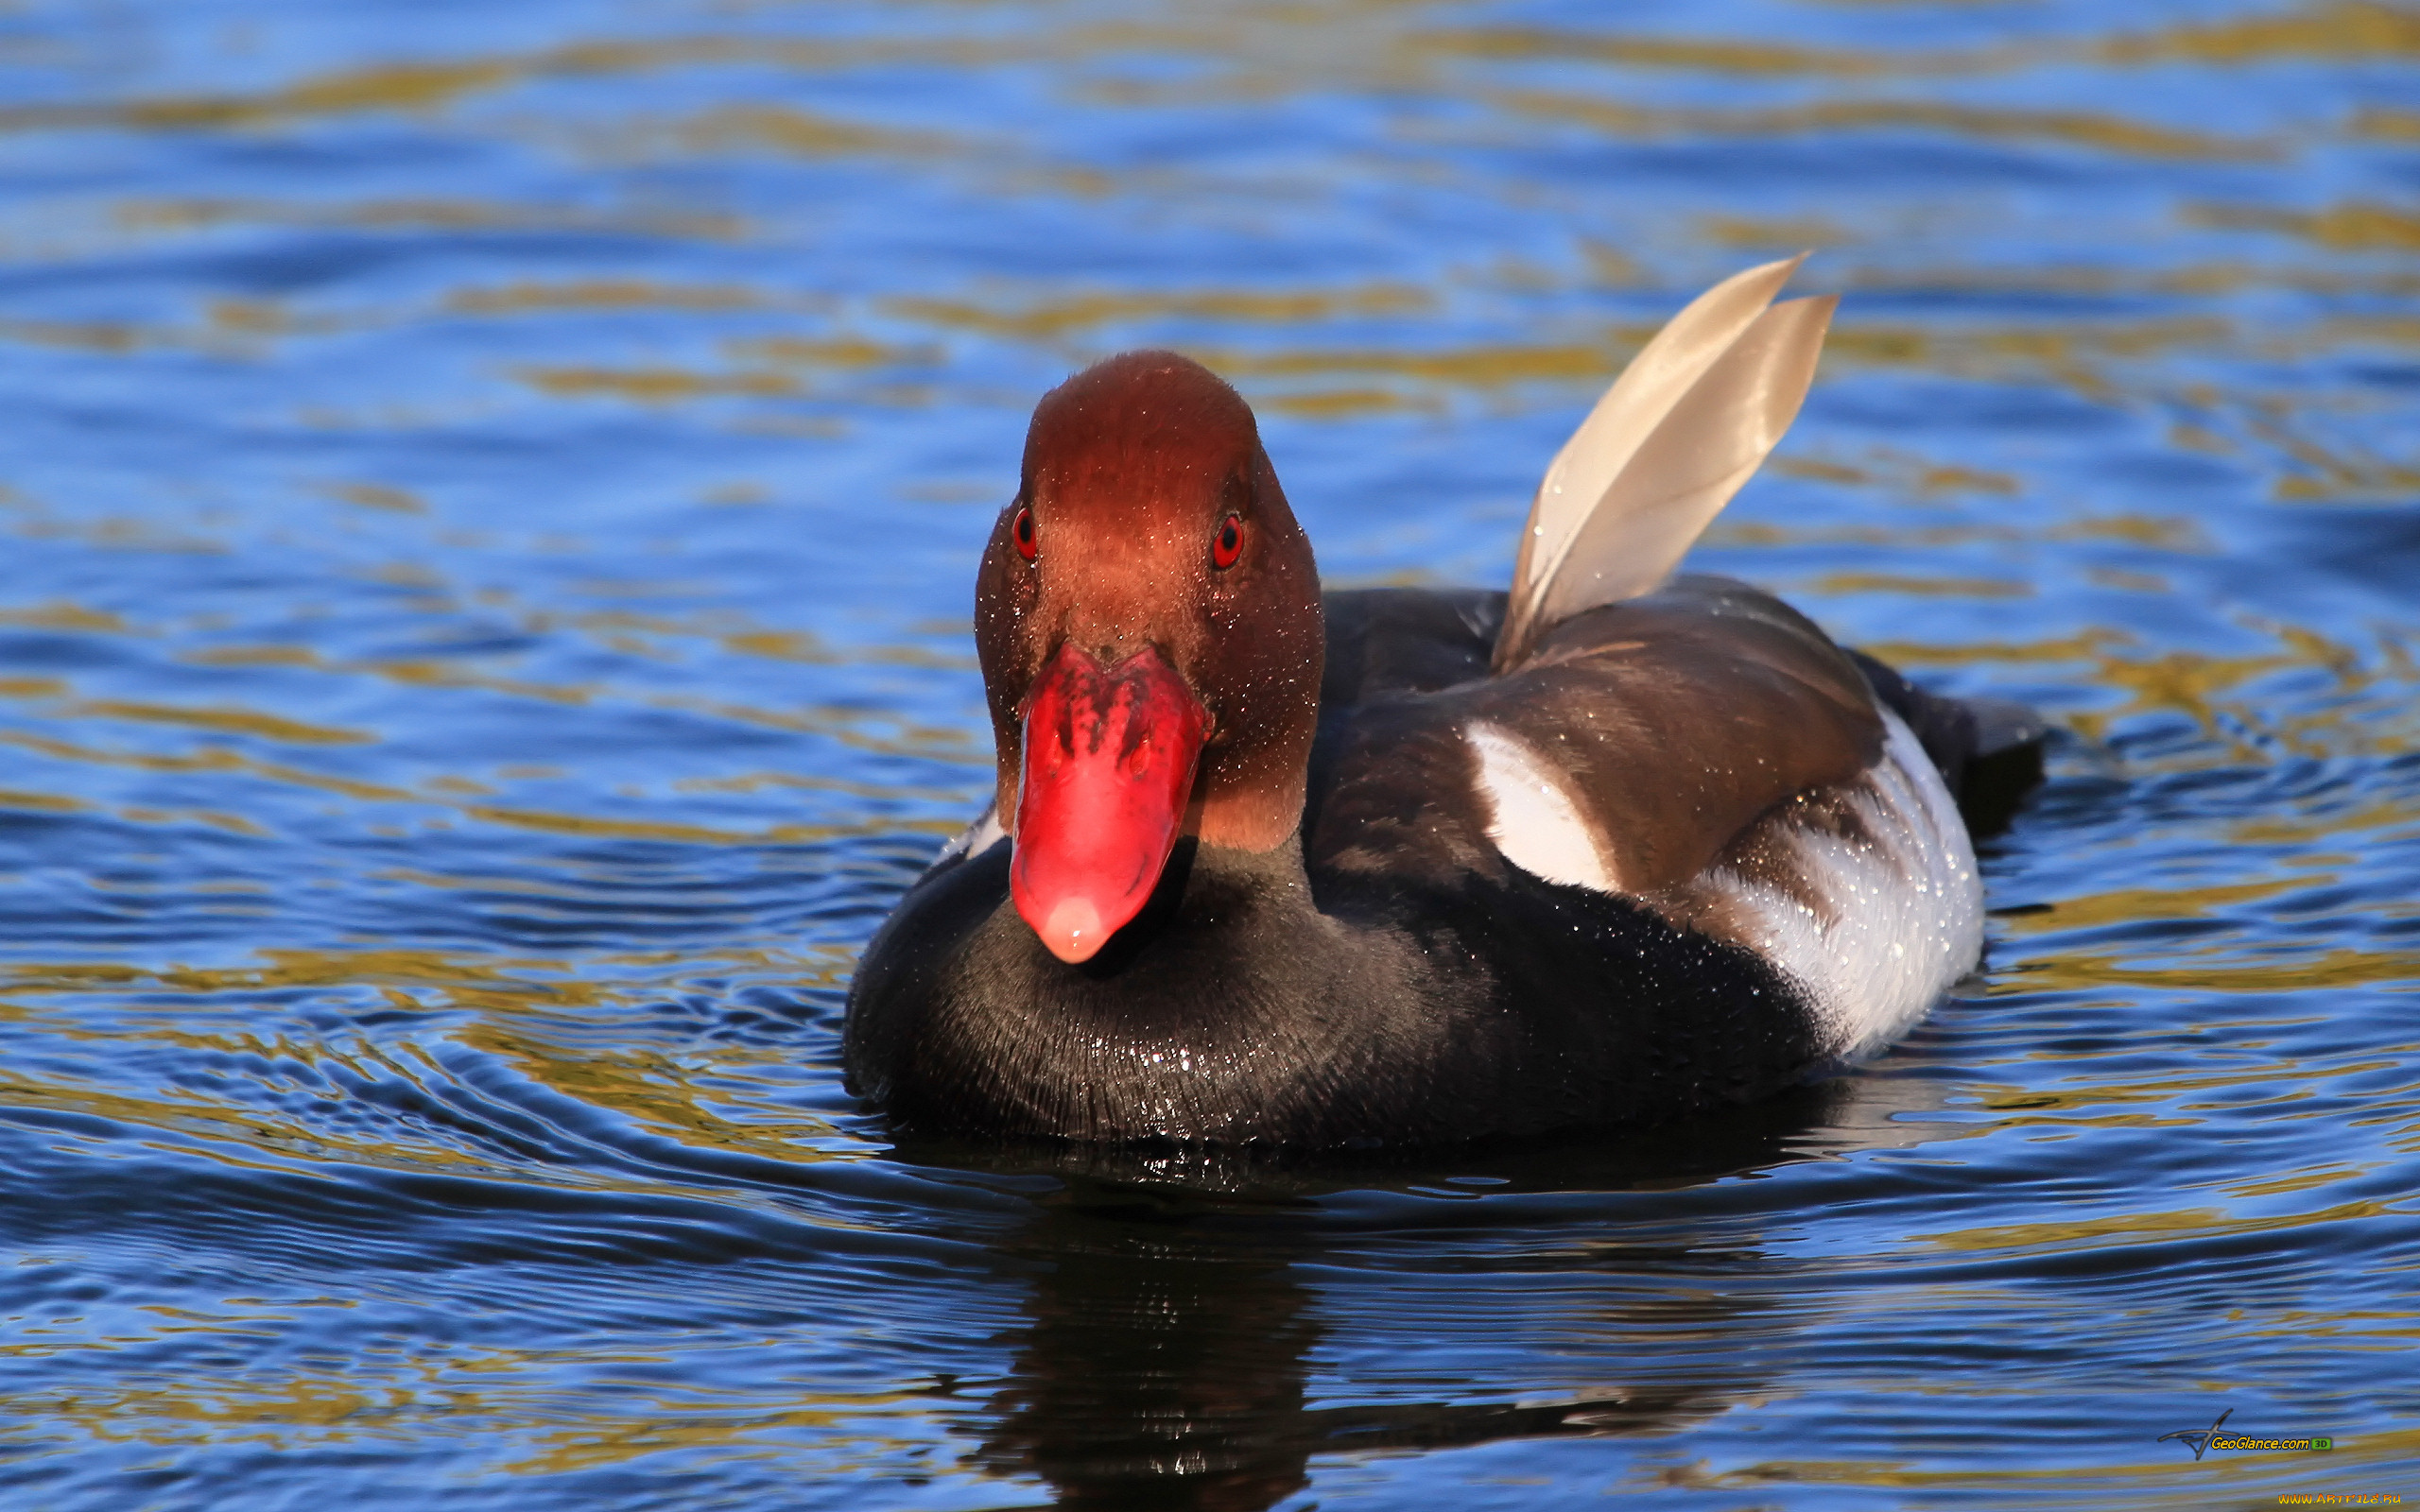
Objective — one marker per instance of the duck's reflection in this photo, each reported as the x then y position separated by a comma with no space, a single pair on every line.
1159,1375
1172,1320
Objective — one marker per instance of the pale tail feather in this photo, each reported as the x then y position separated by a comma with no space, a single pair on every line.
1686,471
1584,472
1686,423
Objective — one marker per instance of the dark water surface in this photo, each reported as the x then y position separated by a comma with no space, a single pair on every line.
491,495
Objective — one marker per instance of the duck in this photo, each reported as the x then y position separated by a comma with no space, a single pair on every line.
1281,868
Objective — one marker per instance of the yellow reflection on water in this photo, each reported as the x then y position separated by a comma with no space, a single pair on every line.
2103,132
655,385
530,298
847,1428
2353,29
424,214
378,496
2144,1483
662,1093
1055,317
58,615
795,132
2120,1228
1923,587
2126,905
2223,972
232,721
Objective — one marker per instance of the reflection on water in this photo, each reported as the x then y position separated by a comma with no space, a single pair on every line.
493,496
1171,1334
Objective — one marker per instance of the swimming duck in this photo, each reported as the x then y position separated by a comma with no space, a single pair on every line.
1272,867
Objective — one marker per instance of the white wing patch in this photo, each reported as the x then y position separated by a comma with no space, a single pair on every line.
977,837
1531,817
1906,906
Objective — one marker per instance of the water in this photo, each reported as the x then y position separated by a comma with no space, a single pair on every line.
491,495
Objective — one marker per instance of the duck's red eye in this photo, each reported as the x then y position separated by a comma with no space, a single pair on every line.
1228,543
1023,530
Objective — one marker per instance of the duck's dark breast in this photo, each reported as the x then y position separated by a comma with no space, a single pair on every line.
1215,1015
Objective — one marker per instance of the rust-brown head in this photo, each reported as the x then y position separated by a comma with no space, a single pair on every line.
1147,616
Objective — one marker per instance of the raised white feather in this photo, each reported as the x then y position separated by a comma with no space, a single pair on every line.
1686,423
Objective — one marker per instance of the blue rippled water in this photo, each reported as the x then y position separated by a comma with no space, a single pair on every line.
490,496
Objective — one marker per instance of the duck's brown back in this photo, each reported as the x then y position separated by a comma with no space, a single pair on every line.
1665,725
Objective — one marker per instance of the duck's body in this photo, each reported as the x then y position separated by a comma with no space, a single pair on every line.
1431,869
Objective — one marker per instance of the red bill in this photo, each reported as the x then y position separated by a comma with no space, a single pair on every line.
1109,760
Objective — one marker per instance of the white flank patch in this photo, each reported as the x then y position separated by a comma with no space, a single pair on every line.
1531,818
1907,907
978,837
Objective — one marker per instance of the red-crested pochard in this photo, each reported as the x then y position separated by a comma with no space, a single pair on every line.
1409,865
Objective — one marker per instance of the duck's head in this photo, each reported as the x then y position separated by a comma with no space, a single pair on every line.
1147,616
